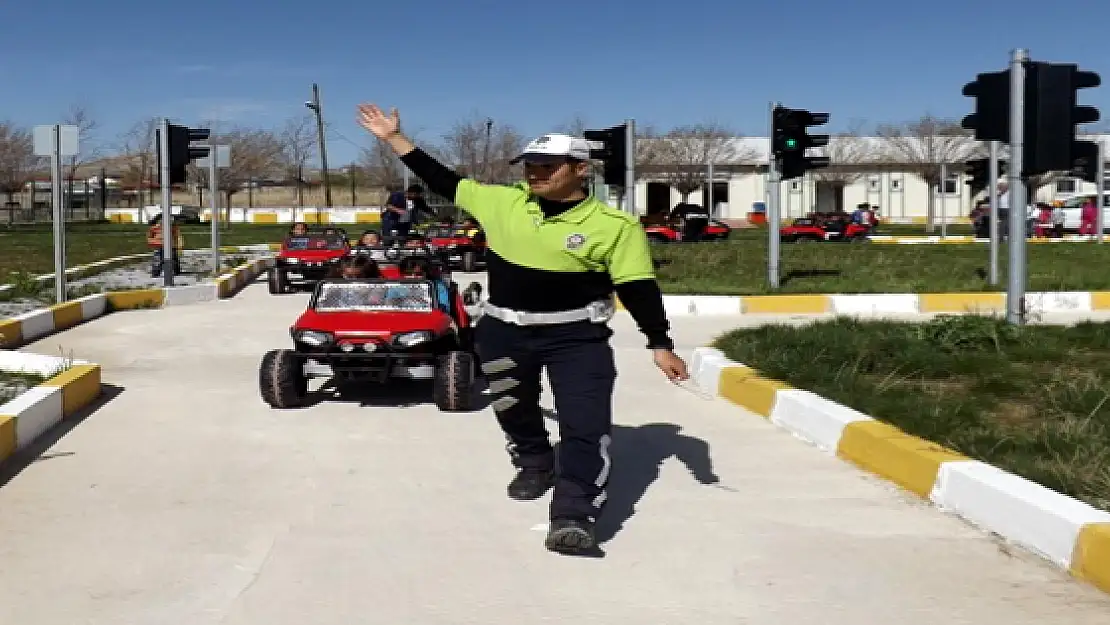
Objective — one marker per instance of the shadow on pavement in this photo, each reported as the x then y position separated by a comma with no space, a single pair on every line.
392,394
637,454
37,451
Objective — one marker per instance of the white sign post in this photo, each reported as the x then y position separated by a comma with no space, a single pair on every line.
223,159
57,141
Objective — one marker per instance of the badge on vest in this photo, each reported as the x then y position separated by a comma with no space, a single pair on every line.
575,241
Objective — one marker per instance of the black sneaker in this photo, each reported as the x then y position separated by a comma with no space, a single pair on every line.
530,484
571,537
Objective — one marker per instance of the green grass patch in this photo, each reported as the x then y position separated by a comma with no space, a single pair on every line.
738,266
1030,399
31,249
13,384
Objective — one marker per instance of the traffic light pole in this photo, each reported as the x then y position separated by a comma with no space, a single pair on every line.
1100,186
774,187
1015,292
630,172
943,200
992,195
167,212
213,195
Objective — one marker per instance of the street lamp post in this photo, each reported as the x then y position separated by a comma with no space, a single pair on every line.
314,105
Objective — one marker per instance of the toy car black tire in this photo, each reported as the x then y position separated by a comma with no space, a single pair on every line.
454,382
281,379
278,281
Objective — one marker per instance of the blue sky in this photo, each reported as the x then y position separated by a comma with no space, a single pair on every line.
532,64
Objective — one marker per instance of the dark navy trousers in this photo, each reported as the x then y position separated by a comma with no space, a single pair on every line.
581,369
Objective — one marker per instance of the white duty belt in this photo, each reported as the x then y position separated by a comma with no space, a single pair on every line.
600,311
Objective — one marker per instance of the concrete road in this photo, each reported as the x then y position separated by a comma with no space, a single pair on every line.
185,499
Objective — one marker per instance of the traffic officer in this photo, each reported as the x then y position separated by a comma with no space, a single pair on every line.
555,257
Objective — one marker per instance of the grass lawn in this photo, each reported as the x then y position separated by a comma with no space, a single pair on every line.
31,249
1030,399
13,384
739,267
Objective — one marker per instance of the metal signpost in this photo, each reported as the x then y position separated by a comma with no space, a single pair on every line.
709,187
57,141
773,187
1015,289
1100,199
630,173
942,188
222,159
992,195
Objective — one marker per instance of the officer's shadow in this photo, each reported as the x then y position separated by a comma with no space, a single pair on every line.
637,454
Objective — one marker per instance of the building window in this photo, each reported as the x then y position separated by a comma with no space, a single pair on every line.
896,184
1066,185
874,183
795,186
951,186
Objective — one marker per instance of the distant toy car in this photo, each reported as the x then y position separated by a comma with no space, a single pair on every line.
686,223
307,259
373,331
458,246
808,229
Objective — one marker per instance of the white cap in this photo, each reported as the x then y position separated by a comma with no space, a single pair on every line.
556,145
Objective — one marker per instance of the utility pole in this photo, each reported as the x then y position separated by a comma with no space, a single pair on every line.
314,104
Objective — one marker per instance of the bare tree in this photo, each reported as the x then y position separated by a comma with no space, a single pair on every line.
138,159
381,165
79,116
681,157
483,151
18,163
924,145
256,154
575,126
298,140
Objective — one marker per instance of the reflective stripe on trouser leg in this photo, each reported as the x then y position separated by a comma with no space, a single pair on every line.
513,376
583,374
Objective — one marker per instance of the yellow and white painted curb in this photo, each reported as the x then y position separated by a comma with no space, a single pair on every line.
72,385
22,329
864,304
1071,534
893,239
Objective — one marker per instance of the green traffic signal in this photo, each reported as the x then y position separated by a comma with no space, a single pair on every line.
791,144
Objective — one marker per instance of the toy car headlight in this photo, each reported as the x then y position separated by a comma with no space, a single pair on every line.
392,253
312,337
409,339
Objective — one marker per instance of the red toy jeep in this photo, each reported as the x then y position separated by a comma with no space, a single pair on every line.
375,330
457,245
808,229
309,257
686,223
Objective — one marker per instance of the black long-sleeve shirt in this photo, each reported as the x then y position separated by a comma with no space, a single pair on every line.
520,288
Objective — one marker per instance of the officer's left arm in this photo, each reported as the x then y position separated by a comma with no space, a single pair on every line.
633,274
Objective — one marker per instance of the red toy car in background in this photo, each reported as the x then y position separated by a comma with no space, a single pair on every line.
308,257
686,223
458,246
813,229
373,331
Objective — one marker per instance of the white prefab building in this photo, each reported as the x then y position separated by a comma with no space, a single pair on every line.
890,174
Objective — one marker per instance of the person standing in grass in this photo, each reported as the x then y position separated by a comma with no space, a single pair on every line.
154,241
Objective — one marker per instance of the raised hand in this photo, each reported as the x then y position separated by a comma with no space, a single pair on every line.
378,123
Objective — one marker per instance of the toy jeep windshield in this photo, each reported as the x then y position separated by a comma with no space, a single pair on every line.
371,331
458,247
306,259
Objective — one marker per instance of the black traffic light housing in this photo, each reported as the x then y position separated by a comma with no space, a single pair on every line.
181,150
1052,113
991,119
613,153
1085,165
979,173
790,139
